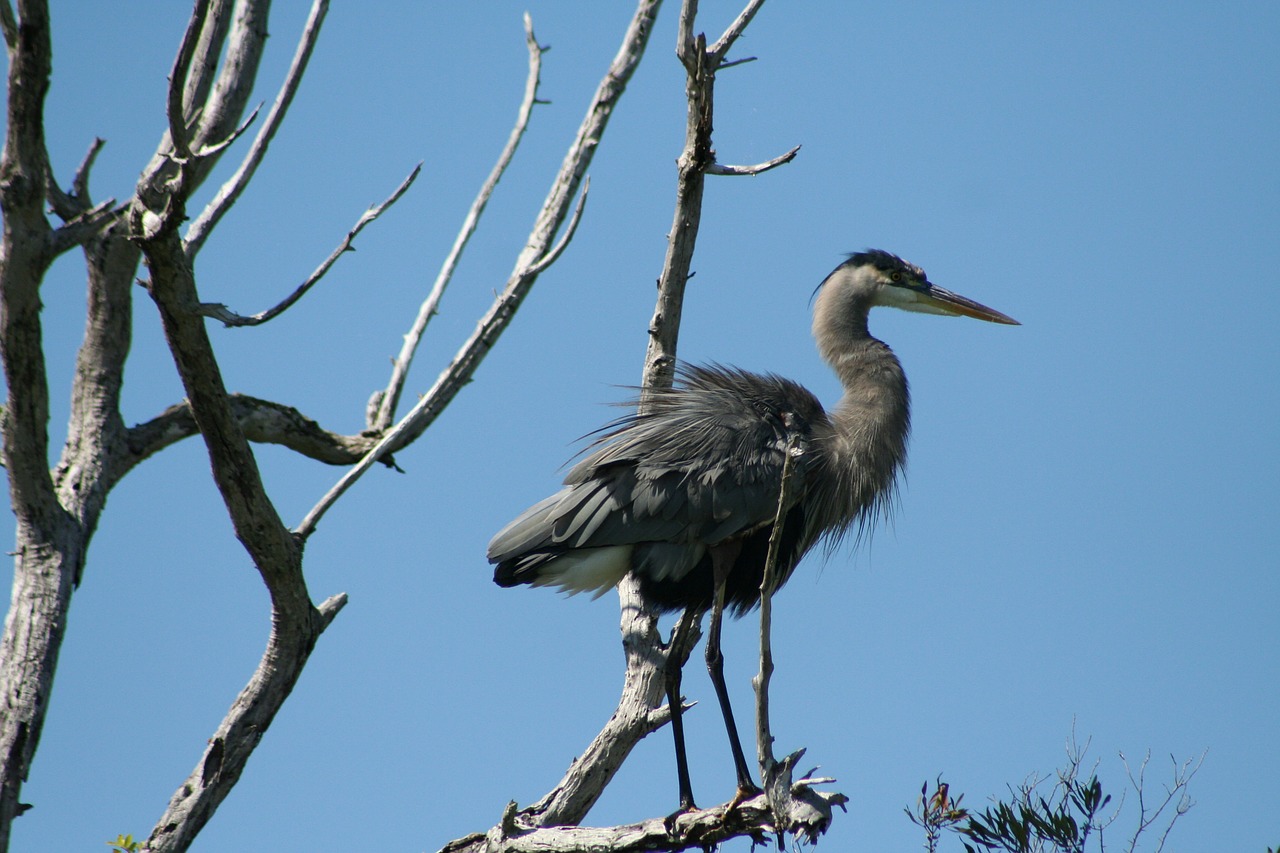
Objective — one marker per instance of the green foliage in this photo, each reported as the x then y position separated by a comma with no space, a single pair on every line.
124,844
1031,824
1065,819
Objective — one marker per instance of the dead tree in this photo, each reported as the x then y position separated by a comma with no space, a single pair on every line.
154,231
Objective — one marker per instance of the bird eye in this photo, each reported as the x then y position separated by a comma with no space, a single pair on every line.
895,277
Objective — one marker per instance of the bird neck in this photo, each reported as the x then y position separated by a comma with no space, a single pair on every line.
875,387
869,425
839,321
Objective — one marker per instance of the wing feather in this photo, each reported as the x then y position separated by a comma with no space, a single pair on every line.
702,464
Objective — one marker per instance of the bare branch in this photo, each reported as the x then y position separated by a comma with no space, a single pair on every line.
24,258
390,399
1176,795
701,828
796,807
263,422
664,328
178,78
734,63
212,148
220,312
697,158
217,91
296,624
721,169
722,45
684,31
84,227
230,191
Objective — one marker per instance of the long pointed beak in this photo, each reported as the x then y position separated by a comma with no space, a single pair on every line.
945,302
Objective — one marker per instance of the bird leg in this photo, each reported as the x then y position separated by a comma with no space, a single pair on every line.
677,653
722,559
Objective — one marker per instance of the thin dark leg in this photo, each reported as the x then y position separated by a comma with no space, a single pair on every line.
722,558
676,704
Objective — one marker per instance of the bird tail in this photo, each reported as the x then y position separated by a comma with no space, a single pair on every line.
593,570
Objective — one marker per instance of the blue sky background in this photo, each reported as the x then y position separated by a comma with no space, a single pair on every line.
1087,536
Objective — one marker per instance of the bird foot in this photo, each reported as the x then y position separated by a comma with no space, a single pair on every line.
669,822
746,791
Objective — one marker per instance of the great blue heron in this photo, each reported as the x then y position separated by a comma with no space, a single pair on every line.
684,491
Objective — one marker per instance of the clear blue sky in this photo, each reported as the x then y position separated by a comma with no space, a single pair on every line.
1087,535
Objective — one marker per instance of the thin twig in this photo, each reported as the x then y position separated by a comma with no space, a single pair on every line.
734,63
218,311
721,169
230,191
400,367
213,148
1147,818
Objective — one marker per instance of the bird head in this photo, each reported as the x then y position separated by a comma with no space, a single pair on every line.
876,277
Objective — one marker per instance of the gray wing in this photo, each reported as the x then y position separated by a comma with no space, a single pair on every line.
703,464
